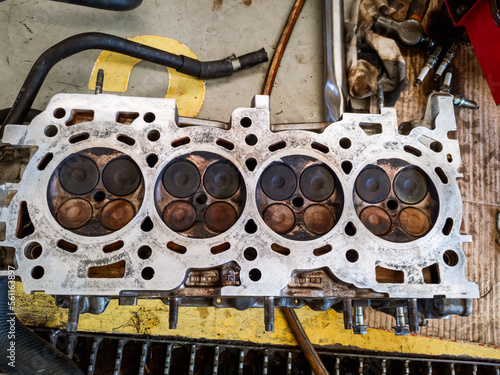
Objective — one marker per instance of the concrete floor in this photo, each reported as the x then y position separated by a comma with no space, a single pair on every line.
27,28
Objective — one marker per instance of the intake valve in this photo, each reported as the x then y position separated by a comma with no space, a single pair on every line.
74,213
373,185
121,176
181,179
410,186
278,182
221,180
78,175
116,214
317,183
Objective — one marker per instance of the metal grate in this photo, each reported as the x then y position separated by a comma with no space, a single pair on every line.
100,354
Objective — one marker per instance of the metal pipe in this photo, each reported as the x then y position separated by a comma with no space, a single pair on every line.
335,89
116,5
87,41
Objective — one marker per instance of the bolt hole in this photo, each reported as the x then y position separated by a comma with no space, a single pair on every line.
147,225
153,135
99,196
148,273
251,139
59,113
51,131
246,122
345,143
250,227
33,251
436,146
255,274
152,159
392,204
37,272
149,117
298,202
350,229
201,198
450,258
144,252
352,255
250,253
251,164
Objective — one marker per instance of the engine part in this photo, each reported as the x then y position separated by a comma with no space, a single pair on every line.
458,101
450,54
117,5
335,90
429,64
246,214
83,42
408,33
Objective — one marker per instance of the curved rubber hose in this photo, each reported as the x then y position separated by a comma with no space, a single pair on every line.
117,5
87,41
31,353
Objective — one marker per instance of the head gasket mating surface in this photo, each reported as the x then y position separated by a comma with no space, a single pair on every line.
121,196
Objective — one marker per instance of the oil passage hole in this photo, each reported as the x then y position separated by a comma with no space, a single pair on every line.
251,139
352,255
33,250
448,225
436,146
255,274
392,204
298,202
226,144
149,117
277,146
125,139
345,143
154,135
220,248
250,253
147,225
152,159
320,147
45,161
350,229
450,258
449,158
346,167
250,227
246,122
144,252
113,246
180,141
59,113
147,273
67,246
37,272
99,196
201,198
51,131
251,164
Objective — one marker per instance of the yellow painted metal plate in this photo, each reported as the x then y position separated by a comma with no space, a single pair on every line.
151,317
189,91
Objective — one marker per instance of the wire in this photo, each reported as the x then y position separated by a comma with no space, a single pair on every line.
280,48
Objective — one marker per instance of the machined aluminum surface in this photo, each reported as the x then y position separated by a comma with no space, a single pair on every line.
371,137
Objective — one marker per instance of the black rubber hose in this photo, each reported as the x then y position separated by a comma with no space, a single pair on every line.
83,42
30,116
117,5
28,353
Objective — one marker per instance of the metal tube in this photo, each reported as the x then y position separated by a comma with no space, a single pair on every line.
74,313
335,89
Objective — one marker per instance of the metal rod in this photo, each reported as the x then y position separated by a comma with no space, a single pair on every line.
335,89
